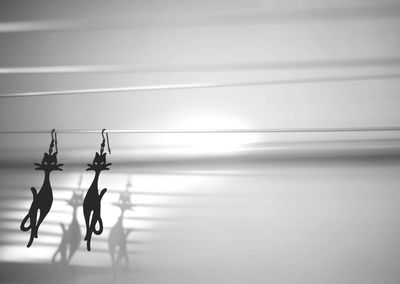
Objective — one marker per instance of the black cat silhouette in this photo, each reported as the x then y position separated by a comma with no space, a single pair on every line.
71,238
118,235
43,199
92,201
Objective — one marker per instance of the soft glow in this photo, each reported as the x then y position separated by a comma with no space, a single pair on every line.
210,143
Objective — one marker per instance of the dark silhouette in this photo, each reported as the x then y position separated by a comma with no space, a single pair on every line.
43,199
71,238
118,235
92,201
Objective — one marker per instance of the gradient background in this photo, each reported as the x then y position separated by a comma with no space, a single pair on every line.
209,208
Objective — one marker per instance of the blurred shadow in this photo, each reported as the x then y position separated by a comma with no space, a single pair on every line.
71,238
117,243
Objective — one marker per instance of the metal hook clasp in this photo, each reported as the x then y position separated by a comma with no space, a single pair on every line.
53,142
103,143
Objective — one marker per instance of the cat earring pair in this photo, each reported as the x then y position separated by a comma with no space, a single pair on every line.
43,200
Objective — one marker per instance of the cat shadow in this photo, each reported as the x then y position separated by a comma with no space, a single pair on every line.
117,239
71,237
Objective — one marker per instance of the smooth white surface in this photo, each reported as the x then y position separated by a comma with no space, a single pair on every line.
240,208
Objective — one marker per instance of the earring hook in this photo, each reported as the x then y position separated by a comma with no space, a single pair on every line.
53,142
103,143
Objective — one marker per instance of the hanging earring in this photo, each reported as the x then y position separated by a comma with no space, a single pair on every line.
43,199
92,201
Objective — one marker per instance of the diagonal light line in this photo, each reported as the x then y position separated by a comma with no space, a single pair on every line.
202,85
305,64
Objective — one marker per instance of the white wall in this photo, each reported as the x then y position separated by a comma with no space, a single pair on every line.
211,208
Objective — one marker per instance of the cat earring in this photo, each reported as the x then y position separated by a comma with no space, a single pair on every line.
43,199
92,201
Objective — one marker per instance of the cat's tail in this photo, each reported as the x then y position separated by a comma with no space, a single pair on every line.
62,260
100,230
32,226
89,231
127,232
92,229
23,226
33,233
60,250
28,216
53,259
31,216
98,217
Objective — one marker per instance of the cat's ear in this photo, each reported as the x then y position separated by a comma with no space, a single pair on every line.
53,158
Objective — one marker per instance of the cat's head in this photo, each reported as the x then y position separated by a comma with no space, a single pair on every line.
124,202
99,163
49,163
125,197
76,199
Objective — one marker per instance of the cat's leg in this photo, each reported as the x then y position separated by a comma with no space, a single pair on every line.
88,239
63,252
119,256
111,248
42,215
96,217
33,216
73,247
87,219
71,254
91,228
